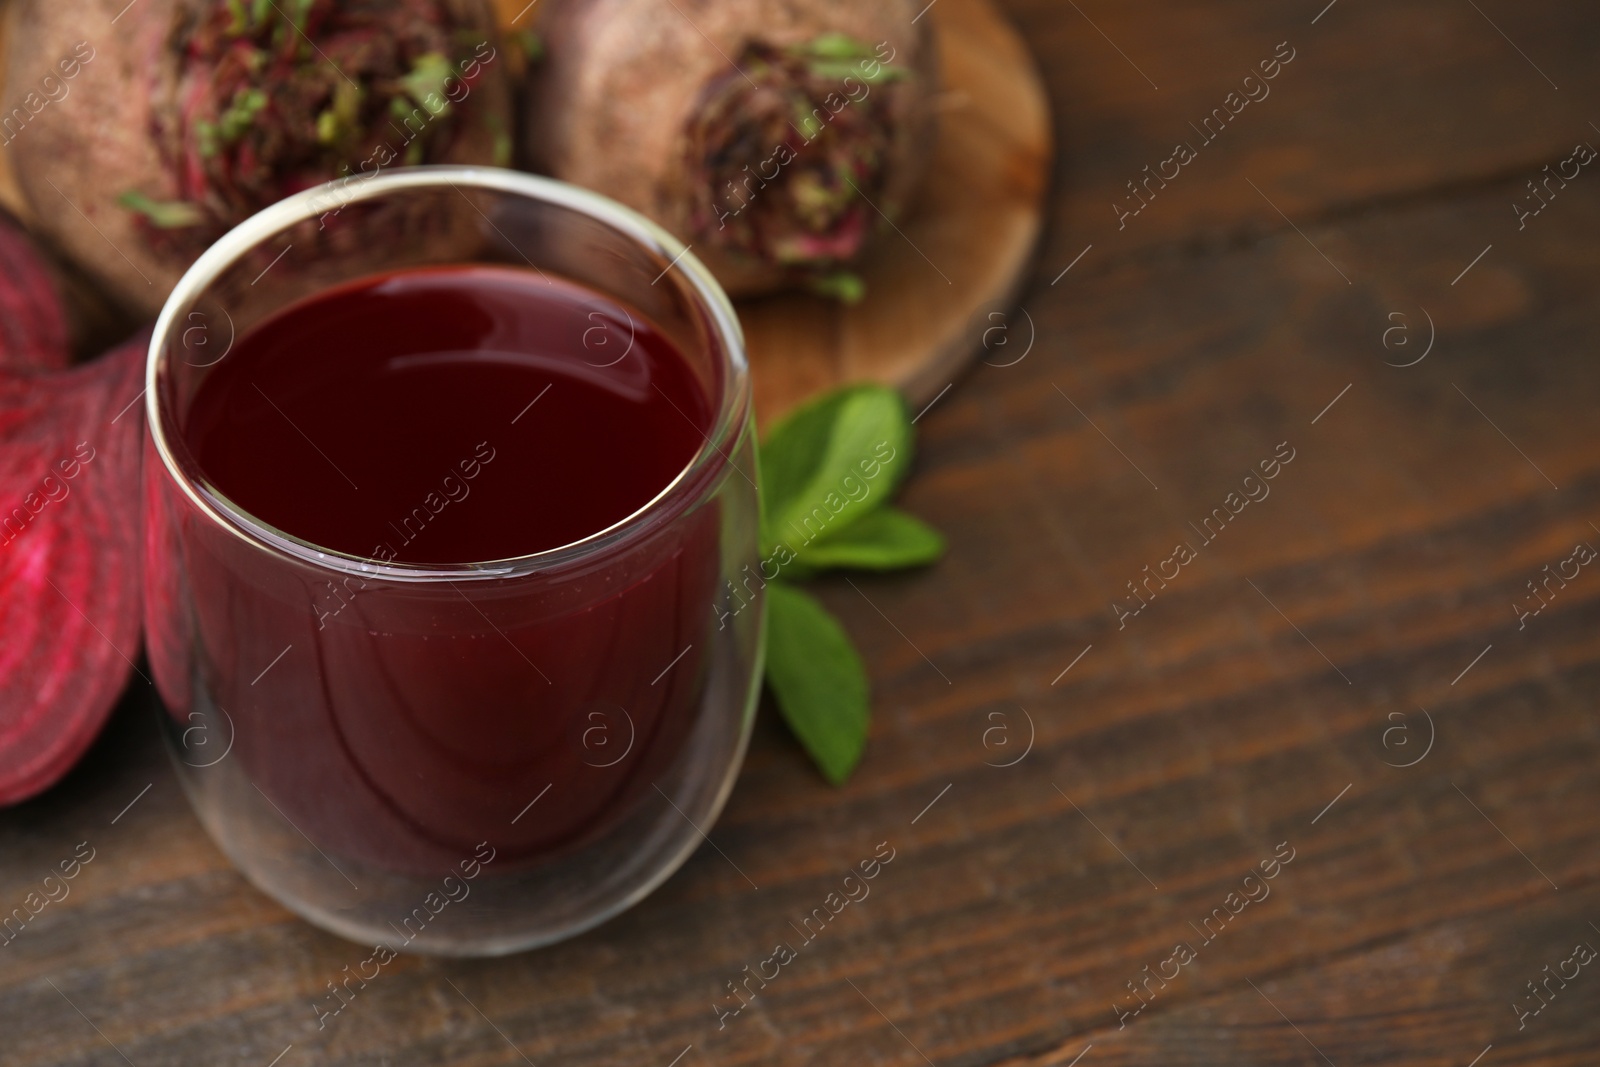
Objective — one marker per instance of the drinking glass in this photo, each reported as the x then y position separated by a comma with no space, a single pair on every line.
474,758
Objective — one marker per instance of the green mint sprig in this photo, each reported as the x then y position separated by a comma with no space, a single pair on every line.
828,471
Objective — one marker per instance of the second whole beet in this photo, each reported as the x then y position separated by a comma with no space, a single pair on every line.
774,136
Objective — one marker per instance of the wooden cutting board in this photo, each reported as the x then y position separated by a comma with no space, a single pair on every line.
959,254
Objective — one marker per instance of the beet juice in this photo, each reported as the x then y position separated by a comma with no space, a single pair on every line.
439,417
447,416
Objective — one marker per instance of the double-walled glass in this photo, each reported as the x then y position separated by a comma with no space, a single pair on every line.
474,758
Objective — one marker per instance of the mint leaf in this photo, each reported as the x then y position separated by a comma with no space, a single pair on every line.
884,540
818,679
831,462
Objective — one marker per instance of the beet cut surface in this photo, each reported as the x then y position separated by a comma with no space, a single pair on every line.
69,560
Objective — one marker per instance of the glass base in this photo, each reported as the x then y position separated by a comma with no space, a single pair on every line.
485,905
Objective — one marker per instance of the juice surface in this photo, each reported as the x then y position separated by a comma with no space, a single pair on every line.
448,415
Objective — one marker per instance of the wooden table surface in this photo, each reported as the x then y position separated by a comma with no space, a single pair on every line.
1360,217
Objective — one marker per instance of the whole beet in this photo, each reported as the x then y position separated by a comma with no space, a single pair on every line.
775,136
140,133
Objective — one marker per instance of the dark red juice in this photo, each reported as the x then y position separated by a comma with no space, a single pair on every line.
452,416
448,416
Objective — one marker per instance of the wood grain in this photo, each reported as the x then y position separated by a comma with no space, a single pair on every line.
1246,706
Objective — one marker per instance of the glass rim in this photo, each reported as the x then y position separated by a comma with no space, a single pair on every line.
732,408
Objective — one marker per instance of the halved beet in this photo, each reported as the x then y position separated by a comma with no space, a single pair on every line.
69,560
33,331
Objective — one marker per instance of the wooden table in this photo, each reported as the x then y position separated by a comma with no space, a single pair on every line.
1361,617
